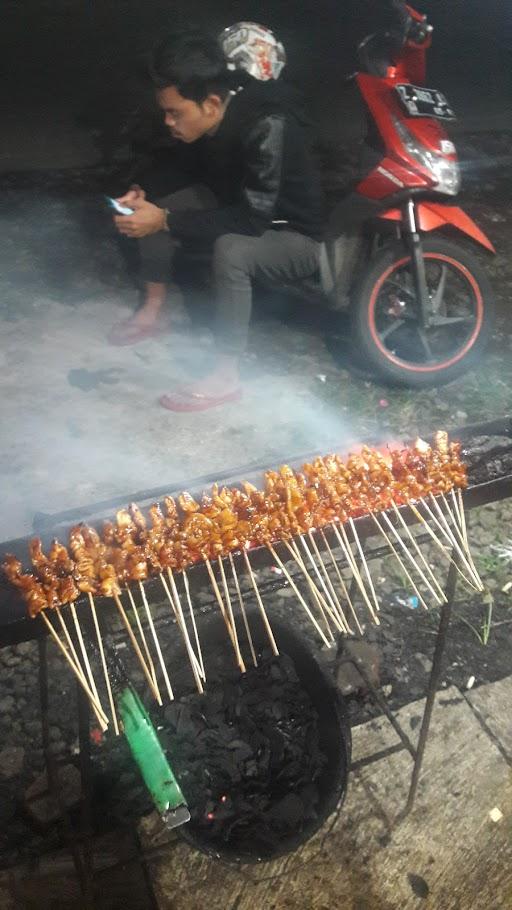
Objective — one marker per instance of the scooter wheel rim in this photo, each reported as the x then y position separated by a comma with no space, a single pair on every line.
455,358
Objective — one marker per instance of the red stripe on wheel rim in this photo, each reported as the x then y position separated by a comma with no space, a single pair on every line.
439,257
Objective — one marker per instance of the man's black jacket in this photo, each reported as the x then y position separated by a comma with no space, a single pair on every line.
258,164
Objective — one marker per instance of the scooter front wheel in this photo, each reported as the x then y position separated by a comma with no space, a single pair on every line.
390,335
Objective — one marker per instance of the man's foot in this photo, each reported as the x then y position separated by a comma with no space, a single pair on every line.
137,328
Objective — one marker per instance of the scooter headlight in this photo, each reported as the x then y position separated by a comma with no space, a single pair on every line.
446,173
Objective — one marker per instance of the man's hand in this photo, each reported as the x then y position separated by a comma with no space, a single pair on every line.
147,219
134,193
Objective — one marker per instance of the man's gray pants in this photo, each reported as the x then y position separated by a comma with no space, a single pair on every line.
238,261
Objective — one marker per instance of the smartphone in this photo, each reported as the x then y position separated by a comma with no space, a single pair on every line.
120,209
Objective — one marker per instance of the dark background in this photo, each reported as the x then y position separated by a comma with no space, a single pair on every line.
70,68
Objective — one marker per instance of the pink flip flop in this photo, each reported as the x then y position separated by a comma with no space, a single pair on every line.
186,402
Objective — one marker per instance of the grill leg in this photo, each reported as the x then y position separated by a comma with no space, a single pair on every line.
435,675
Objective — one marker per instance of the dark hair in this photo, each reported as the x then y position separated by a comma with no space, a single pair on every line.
193,62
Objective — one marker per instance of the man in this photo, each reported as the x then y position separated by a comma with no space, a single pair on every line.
242,185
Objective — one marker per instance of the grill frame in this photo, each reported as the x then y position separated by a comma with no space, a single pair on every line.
16,627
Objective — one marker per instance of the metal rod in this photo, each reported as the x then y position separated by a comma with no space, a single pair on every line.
435,675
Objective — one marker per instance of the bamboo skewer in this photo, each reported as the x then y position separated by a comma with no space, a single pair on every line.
342,585
222,608
178,615
196,670
339,609
102,719
326,605
157,642
103,663
401,562
444,527
365,564
243,611
194,626
440,545
409,555
229,605
440,596
349,556
459,522
315,593
88,668
149,659
259,601
70,643
136,647
299,595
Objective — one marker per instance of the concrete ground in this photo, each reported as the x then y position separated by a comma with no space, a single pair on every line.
449,854
454,852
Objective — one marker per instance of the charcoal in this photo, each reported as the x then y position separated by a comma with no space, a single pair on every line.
247,755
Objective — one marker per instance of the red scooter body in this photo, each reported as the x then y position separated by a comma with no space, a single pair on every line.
399,171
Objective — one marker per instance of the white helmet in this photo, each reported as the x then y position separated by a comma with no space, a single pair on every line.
253,48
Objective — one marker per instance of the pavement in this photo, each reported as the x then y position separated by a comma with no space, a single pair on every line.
448,854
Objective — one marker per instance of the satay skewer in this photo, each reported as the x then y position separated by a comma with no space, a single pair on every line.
343,586
149,659
259,601
222,608
344,543
303,603
400,561
138,652
101,717
339,609
103,663
194,625
441,596
242,609
327,605
184,631
440,545
88,668
227,600
364,563
157,642
459,522
319,600
447,532
409,555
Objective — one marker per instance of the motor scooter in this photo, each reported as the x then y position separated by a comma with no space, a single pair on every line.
420,302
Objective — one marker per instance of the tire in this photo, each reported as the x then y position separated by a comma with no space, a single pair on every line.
369,314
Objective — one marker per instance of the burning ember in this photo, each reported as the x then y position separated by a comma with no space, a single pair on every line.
248,757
